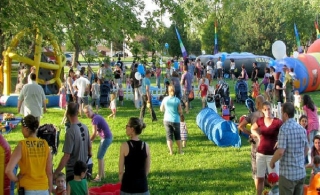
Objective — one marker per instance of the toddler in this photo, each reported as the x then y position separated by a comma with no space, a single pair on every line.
203,90
183,131
255,88
316,167
78,185
273,179
120,94
303,121
95,90
90,167
62,99
61,185
297,99
128,82
113,106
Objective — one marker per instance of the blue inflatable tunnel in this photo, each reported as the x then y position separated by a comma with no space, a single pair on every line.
221,132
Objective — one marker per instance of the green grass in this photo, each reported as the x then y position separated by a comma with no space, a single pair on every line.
204,168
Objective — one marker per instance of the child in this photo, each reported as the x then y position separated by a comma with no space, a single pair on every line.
113,106
204,90
90,167
183,131
316,167
255,88
303,121
128,82
297,100
120,94
273,179
62,98
61,185
78,185
95,90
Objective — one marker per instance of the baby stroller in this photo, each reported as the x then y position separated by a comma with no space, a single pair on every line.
211,99
49,133
241,89
105,89
221,93
250,105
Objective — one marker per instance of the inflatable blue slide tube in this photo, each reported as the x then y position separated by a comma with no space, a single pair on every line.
221,132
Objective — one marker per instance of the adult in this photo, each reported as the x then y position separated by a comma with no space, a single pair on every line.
243,75
278,88
82,85
77,145
146,97
117,75
101,73
70,97
120,63
270,87
34,159
232,69
158,76
266,129
265,80
99,127
134,160
175,81
311,111
251,119
186,82
191,69
199,69
315,150
219,69
209,69
33,98
171,107
255,70
136,86
292,147
288,85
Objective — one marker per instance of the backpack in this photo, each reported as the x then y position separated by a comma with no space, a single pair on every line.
191,96
49,133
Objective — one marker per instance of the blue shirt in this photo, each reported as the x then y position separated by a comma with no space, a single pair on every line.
145,82
171,113
293,139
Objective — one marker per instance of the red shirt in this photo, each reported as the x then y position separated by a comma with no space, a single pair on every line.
269,136
204,90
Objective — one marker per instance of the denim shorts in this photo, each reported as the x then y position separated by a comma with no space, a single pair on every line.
104,145
36,192
172,130
95,102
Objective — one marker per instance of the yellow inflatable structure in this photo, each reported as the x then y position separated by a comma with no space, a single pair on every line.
10,54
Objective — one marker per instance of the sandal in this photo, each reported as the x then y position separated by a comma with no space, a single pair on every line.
96,180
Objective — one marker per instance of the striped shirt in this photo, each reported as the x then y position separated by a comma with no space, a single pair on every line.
293,138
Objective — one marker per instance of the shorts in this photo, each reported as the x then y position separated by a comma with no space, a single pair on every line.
204,99
120,98
83,100
95,102
104,145
270,86
231,71
209,76
219,72
185,96
36,192
263,163
113,110
172,130
69,98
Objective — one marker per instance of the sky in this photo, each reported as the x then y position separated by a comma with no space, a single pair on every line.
150,6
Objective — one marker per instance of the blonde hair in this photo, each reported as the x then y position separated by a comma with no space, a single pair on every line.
112,96
88,108
171,90
61,175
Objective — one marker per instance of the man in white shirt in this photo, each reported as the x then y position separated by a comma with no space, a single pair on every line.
82,85
33,98
219,68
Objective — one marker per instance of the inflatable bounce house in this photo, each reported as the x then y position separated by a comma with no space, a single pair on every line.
223,133
306,67
48,74
239,58
5,153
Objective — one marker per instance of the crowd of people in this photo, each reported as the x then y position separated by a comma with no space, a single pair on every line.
278,145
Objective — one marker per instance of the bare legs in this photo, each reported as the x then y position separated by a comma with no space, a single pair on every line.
170,143
260,186
101,173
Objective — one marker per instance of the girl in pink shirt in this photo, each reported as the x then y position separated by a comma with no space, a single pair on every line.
311,111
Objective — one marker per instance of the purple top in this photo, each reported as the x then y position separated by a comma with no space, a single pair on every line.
186,79
102,126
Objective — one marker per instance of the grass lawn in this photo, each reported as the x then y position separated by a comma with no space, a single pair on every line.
203,169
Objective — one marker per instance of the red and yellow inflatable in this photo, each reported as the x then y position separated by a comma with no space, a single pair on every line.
5,153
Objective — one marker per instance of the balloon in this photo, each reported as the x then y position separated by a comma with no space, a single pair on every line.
278,49
223,57
141,69
137,75
166,45
176,65
272,63
295,54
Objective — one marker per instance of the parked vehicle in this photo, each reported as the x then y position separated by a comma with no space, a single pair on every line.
120,54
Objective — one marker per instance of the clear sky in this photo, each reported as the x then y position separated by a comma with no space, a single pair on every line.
150,6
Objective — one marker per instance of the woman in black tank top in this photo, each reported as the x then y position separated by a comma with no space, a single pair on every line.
134,162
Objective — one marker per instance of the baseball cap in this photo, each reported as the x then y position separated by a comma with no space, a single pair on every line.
273,178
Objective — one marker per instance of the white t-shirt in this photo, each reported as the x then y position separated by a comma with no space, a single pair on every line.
82,84
219,65
232,65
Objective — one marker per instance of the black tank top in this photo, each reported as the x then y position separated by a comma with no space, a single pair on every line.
134,178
